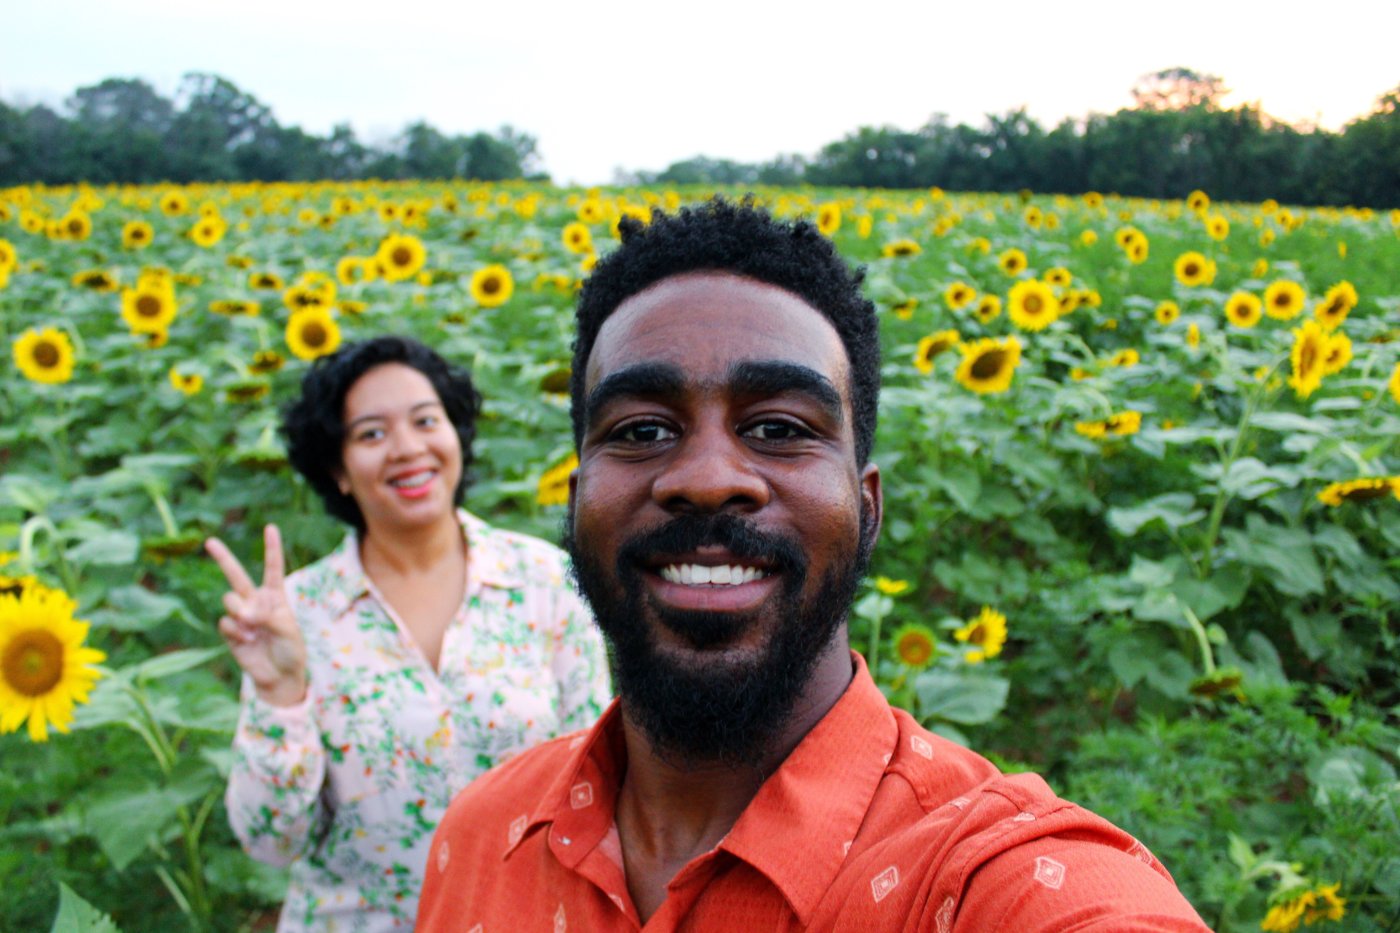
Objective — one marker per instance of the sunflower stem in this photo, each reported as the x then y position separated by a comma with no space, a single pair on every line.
174,890
167,519
1222,497
1202,639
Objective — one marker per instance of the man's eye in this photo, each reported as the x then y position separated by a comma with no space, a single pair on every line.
776,431
644,433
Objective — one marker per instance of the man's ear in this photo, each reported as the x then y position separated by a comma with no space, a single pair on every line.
873,499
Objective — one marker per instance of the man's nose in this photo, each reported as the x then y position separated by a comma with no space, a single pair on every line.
710,470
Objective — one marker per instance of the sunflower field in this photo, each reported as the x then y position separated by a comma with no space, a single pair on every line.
1141,462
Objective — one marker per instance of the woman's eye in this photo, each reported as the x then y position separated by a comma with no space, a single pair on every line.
370,434
428,421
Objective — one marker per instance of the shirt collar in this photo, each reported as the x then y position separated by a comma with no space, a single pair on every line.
814,803
491,561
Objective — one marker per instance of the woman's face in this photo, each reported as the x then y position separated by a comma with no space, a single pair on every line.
401,459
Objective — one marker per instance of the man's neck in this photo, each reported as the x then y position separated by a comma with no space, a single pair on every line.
670,813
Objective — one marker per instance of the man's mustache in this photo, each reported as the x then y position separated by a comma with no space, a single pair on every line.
736,534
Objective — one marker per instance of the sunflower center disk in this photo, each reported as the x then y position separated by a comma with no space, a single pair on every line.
33,663
46,355
147,306
988,365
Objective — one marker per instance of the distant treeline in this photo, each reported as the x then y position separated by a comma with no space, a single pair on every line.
1175,137
122,130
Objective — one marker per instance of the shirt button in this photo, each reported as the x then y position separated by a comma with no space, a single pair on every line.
566,840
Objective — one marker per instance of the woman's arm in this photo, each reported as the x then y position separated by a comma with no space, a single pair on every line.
579,663
274,789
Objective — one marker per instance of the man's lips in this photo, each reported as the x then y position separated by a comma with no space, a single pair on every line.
711,580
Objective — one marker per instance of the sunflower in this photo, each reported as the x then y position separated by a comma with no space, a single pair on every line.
914,646
988,364
1032,305
987,631
1308,357
933,345
303,297
1360,490
1088,237
1284,299
44,355
351,307
312,333
904,310
150,306
1243,309
1193,335
1267,236
208,231
1137,251
137,234
554,483
980,246
249,390
9,256
864,224
174,203
1193,269
1126,358
1197,201
1338,354
829,218
1217,227
266,361
1334,307
76,226
1394,384
99,280
577,238
44,668
891,587
266,281
401,256
1124,423
959,295
1260,268
492,286
591,211
356,270
1167,312
190,385
1125,235
1091,429
1012,262
898,248
988,308
236,307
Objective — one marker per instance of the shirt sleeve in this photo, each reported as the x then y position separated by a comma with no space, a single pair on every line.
274,788
579,663
1054,884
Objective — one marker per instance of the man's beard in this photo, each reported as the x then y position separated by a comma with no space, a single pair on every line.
715,713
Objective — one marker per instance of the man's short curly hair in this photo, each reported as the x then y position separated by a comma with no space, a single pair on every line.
314,427
742,239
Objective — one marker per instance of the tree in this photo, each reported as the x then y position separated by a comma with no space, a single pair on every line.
1178,89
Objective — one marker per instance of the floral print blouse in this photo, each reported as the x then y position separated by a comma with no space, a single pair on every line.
348,786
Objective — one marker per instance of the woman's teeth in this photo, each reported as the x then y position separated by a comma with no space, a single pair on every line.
732,575
414,481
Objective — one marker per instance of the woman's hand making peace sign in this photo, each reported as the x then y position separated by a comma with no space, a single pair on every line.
259,627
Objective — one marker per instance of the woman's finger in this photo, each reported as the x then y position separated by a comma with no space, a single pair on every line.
233,632
273,565
233,571
234,605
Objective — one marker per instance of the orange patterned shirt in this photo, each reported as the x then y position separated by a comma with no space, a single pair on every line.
871,824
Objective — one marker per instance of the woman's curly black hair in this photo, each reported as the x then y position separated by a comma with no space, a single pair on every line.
314,427
742,239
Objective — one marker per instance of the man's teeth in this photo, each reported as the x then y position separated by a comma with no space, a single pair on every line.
733,574
414,481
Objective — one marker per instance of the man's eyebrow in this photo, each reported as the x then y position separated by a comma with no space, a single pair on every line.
643,380
776,377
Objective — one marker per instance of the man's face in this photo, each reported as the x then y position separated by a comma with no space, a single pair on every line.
718,522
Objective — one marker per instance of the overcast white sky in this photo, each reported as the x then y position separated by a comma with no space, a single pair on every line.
642,83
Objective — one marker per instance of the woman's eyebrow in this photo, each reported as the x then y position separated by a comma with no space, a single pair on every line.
376,416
